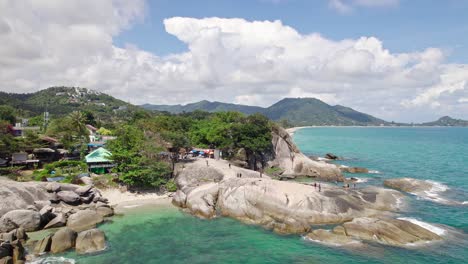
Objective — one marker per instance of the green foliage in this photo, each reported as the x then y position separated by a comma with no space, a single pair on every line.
66,168
104,131
171,186
7,113
70,130
137,158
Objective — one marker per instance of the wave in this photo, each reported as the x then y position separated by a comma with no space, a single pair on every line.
434,229
53,260
357,180
354,242
374,172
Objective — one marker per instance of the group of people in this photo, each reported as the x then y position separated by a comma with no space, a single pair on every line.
318,185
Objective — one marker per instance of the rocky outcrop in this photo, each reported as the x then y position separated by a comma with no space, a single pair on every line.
69,197
327,237
354,169
27,219
63,240
409,185
286,207
389,231
90,241
20,195
288,157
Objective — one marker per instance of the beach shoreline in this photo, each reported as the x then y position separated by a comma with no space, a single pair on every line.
122,201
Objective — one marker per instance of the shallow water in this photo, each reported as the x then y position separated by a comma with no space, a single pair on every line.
166,235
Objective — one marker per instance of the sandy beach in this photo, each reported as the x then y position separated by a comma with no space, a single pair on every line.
122,201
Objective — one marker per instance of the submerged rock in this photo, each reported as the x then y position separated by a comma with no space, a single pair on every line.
90,241
327,237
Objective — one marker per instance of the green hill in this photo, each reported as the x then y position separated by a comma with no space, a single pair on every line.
60,101
205,106
297,111
447,121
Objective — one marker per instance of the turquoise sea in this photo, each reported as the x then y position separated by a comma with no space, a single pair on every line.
166,235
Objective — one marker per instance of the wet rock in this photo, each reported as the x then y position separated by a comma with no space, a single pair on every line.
6,249
409,185
19,253
90,241
331,156
83,220
354,170
43,245
27,219
328,237
63,240
389,231
105,211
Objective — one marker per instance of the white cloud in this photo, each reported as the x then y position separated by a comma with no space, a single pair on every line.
46,43
348,6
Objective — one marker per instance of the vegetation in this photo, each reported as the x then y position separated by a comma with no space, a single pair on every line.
68,169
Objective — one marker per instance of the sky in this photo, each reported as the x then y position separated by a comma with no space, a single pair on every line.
400,60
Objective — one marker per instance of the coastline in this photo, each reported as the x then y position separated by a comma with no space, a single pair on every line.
292,130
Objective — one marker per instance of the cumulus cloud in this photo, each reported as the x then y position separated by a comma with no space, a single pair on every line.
348,6
46,43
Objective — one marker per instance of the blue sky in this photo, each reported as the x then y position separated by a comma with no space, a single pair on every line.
410,25
402,60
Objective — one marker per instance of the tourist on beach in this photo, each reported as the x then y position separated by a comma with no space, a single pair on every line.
207,163
320,187
229,165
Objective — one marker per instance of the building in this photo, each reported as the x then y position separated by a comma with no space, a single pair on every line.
99,161
19,130
92,131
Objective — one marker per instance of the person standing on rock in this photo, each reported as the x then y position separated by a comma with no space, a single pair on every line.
229,165
207,163
320,187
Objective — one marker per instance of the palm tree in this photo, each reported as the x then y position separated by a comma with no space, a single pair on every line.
77,122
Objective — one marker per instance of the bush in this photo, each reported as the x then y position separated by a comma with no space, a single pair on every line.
171,186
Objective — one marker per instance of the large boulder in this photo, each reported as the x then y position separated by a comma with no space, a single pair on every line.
43,245
58,221
27,219
354,169
69,197
19,195
63,240
84,220
288,157
53,187
83,190
90,241
179,199
201,201
389,231
6,249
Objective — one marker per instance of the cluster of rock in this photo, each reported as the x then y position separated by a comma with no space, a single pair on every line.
292,208
33,206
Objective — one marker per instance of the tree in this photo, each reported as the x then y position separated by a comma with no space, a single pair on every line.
7,113
137,157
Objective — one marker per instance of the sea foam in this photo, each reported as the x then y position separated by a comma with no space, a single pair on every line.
434,229
53,260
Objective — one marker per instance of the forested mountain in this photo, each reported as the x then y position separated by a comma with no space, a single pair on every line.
59,101
297,111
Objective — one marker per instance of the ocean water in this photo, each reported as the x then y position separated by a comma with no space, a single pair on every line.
167,235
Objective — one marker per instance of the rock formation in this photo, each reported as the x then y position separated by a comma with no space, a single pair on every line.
287,156
293,208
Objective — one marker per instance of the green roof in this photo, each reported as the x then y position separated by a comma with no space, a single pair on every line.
99,155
